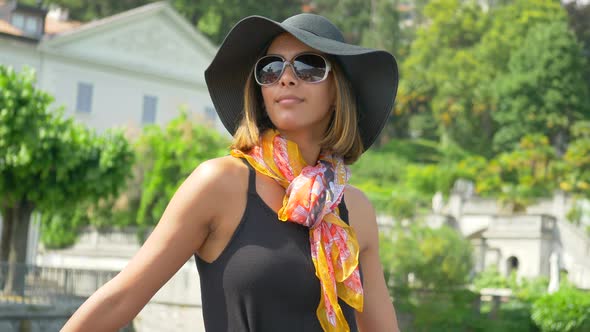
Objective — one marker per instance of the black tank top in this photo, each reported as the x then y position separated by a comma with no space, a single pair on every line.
264,280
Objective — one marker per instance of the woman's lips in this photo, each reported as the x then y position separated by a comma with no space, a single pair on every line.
289,100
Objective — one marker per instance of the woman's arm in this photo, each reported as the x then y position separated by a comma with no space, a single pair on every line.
378,313
181,231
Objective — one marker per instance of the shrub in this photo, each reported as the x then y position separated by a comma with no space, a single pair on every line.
438,258
490,278
567,310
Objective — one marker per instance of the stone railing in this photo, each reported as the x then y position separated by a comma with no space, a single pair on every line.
49,297
51,285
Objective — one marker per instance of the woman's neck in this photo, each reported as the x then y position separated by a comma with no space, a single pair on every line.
309,146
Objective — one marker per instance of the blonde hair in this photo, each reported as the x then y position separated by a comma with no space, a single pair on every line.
342,137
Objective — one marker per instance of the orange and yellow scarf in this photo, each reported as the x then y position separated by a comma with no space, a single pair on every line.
312,195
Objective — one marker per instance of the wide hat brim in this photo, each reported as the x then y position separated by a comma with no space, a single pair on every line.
372,73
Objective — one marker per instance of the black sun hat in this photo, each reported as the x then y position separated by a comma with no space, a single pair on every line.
372,73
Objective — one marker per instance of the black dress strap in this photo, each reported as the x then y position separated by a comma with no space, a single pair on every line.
343,211
251,177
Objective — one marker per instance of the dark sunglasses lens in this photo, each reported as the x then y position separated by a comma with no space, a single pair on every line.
310,67
268,69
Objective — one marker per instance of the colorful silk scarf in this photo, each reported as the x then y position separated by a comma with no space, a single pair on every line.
311,199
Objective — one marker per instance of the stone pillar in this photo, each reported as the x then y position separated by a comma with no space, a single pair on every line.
455,206
554,274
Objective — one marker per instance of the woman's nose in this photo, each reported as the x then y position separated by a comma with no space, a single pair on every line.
288,77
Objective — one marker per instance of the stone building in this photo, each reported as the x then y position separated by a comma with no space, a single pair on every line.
134,68
523,242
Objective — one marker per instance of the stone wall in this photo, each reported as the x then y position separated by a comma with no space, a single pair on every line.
16,317
169,317
175,307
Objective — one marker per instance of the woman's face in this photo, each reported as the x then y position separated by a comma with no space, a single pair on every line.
295,106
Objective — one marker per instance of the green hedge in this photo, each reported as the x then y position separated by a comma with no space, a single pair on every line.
457,310
567,310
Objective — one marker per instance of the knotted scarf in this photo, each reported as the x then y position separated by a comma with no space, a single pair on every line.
312,195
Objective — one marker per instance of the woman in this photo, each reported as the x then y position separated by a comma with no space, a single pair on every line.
301,104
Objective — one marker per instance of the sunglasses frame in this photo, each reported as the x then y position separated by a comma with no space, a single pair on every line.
290,63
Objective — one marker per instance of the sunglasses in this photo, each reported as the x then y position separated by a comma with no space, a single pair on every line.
308,67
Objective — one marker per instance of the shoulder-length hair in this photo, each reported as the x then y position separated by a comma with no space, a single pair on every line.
342,136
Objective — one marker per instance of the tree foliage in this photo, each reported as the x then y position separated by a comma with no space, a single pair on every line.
384,31
516,177
544,90
510,25
396,180
374,23
437,258
455,61
61,160
567,310
48,163
426,270
575,172
164,158
167,157
579,20
441,74
506,85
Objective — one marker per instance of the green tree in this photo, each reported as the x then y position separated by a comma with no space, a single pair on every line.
579,20
438,258
576,162
544,90
222,15
454,61
490,278
395,180
383,30
47,163
164,158
353,17
509,27
515,177
441,75
439,261
167,157
567,310
59,229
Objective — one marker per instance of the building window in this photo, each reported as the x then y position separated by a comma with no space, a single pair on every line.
32,25
18,21
84,99
149,109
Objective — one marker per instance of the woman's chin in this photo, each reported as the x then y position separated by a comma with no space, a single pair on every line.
288,127
288,122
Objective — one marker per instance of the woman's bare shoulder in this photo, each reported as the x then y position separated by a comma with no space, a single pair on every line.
214,181
361,215
222,173
356,199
